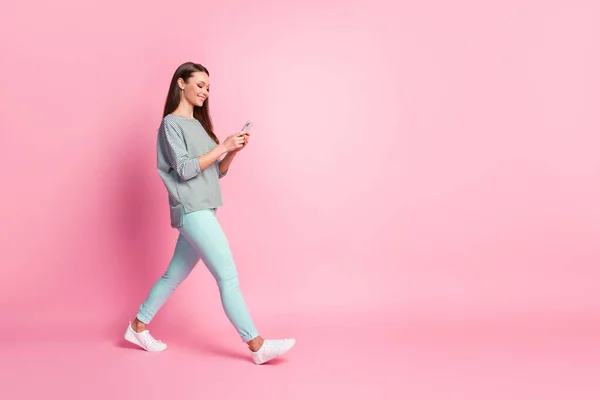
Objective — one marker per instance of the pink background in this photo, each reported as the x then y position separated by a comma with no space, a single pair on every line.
434,163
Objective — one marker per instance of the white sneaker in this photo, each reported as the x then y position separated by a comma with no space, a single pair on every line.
144,339
272,348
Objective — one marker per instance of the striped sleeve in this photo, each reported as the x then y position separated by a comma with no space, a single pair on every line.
186,167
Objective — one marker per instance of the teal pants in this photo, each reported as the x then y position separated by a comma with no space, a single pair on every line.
201,237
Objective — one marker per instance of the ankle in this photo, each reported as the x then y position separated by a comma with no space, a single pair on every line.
256,343
138,326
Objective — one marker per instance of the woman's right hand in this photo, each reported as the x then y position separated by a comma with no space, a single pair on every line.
235,142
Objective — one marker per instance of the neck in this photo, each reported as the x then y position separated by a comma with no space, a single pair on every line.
185,109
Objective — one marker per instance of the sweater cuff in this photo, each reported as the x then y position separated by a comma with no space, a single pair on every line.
219,170
197,165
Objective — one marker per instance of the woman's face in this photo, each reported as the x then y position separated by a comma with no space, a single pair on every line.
195,90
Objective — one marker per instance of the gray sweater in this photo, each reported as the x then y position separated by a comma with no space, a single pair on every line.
180,142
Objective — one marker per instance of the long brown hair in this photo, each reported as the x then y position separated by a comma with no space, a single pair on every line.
202,114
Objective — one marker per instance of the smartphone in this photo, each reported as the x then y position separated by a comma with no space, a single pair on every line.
247,126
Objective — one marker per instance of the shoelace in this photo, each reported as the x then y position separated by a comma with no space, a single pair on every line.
274,344
150,339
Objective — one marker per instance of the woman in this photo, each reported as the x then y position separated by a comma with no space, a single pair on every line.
190,165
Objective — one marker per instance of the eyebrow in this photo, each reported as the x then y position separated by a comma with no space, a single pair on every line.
202,82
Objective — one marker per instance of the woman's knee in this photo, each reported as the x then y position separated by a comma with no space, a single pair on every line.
228,281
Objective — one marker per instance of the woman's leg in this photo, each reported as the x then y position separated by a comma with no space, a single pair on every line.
203,231
182,263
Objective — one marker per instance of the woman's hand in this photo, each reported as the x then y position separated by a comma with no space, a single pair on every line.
235,143
246,136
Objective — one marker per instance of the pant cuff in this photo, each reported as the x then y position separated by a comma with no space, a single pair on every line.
143,318
248,337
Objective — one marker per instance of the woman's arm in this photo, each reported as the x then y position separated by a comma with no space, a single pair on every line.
179,159
188,168
205,160
225,163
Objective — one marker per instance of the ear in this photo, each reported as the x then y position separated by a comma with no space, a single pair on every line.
180,83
